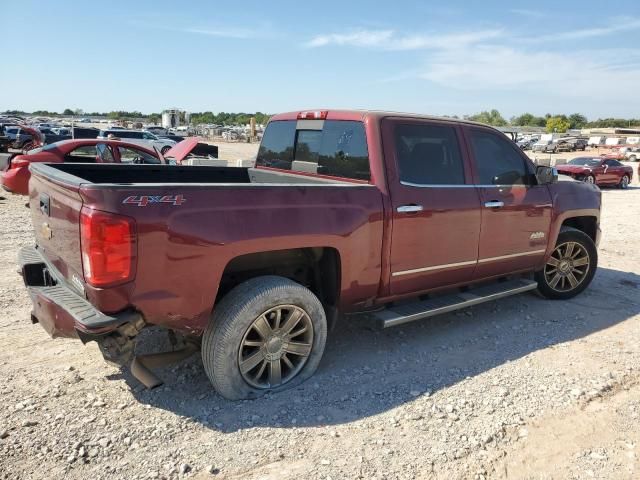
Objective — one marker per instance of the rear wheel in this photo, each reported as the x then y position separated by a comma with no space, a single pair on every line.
571,266
632,158
590,179
624,182
267,334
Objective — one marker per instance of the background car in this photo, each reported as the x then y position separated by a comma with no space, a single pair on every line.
15,177
139,137
629,153
598,171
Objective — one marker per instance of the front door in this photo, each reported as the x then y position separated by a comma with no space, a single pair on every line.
436,209
516,212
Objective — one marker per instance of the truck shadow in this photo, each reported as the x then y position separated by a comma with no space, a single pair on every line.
366,371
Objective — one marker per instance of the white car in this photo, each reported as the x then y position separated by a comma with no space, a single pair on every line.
145,139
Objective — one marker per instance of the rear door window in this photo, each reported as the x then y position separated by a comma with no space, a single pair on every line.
332,147
428,155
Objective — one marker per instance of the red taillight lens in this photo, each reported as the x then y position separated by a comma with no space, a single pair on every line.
313,115
17,163
108,248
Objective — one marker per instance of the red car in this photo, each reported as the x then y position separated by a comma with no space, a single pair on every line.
15,178
598,171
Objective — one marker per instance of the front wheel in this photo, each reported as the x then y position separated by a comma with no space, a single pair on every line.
266,334
590,179
571,266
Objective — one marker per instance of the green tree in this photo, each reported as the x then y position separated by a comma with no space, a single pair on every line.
523,120
558,124
492,117
577,120
67,111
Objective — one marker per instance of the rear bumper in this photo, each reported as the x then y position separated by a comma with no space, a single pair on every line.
60,310
15,180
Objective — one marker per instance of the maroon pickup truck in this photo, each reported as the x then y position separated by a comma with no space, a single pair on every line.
395,216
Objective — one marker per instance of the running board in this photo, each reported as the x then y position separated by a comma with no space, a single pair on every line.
409,312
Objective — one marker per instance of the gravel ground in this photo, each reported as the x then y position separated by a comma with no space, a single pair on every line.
520,388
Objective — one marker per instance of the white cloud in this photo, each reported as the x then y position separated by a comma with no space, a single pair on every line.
390,40
593,74
618,25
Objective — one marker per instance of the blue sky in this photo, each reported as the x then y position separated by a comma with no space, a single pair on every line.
453,57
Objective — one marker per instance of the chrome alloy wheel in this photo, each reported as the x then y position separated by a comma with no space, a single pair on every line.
275,347
567,267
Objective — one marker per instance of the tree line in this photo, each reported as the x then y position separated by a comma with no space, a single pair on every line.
551,122
222,118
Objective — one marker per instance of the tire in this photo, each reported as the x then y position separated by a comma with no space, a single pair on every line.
632,158
546,276
624,182
233,323
165,149
590,179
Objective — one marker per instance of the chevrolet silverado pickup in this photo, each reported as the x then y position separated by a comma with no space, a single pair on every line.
394,216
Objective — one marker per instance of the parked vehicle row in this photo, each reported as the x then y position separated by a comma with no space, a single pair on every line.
344,212
559,145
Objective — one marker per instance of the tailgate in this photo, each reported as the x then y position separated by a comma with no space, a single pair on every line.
55,213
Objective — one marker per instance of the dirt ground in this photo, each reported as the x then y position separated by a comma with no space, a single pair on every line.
519,388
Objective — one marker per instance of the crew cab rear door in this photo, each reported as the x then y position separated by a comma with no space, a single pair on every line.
516,212
436,209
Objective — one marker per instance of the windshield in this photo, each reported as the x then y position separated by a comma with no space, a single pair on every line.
589,162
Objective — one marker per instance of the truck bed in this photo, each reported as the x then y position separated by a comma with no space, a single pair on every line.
125,174
192,222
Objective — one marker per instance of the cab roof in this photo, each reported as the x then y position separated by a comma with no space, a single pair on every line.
361,115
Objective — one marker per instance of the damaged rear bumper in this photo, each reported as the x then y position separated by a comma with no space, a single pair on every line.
60,310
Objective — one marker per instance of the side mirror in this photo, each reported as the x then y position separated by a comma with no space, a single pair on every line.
546,175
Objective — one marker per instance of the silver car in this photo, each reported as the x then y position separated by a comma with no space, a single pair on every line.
139,137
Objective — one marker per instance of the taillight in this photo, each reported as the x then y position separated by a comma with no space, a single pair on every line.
108,244
17,163
313,115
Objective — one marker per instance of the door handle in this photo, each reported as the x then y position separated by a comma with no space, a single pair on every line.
494,204
409,208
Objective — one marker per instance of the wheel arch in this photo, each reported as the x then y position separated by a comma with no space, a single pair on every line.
587,224
317,268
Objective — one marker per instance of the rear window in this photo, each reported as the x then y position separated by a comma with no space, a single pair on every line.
333,147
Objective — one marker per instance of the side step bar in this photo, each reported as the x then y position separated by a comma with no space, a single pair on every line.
399,314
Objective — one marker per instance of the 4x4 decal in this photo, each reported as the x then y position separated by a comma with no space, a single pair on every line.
144,200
